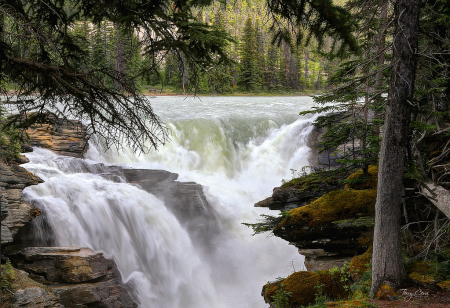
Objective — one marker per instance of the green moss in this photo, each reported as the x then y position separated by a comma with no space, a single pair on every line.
358,181
317,180
445,285
360,264
422,278
302,286
334,206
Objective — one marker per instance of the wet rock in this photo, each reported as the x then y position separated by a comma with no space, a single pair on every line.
63,264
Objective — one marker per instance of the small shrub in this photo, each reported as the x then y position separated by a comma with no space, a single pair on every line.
282,298
8,275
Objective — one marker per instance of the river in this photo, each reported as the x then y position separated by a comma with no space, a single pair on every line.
237,148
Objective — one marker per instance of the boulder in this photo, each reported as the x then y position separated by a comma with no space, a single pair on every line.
303,286
78,277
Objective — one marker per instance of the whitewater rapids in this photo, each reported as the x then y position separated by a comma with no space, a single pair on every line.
237,148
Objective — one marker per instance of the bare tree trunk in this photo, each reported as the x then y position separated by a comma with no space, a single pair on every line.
381,54
387,263
306,67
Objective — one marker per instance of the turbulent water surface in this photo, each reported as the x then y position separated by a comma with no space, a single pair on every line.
238,148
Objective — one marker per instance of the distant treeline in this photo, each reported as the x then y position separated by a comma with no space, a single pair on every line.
260,66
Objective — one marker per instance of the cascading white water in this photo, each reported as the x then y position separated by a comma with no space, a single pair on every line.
238,148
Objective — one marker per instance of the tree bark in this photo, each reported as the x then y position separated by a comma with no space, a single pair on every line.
387,263
381,57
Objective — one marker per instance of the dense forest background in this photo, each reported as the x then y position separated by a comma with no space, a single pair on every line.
260,65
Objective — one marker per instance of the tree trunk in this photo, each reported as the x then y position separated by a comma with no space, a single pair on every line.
381,57
387,263
306,68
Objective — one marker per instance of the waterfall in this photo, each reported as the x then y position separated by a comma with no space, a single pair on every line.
238,149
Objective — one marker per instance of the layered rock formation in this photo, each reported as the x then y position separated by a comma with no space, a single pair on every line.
65,137
15,212
77,277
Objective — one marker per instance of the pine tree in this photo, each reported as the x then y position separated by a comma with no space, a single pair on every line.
248,50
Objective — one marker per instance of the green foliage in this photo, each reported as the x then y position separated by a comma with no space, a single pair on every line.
321,297
364,284
314,180
366,221
440,264
267,223
10,138
84,60
281,298
8,275
345,278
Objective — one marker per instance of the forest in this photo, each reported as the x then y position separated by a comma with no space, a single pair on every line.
260,66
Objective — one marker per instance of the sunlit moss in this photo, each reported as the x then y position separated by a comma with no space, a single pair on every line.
334,206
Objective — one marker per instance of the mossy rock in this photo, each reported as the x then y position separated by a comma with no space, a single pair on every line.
333,206
422,278
445,285
386,293
365,241
317,179
358,181
303,287
360,264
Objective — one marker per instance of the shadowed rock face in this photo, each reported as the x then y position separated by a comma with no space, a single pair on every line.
77,276
15,212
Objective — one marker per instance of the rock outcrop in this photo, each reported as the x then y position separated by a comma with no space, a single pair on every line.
65,137
76,277
329,230
302,191
15,212
186,200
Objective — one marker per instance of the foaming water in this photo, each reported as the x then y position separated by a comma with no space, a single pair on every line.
238,149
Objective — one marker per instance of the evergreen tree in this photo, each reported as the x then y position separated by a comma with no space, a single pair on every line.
248,77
